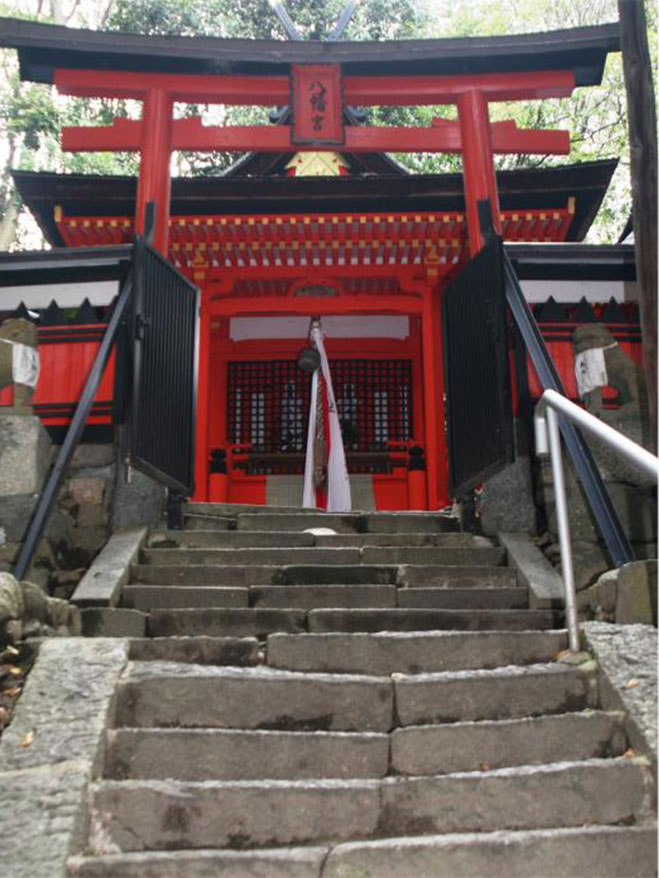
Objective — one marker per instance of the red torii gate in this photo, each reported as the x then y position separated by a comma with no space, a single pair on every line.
318,94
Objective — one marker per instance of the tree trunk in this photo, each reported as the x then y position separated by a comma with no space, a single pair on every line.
8,225
643,149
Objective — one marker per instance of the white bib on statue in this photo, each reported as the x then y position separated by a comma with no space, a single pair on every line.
590,370
24,363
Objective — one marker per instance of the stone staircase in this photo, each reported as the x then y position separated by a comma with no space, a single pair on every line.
375,703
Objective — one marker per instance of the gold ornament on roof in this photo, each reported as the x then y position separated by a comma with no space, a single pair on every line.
317,164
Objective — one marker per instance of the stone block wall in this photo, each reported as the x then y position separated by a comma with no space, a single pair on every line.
94,500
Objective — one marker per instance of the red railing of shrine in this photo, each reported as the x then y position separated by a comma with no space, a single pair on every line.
67,354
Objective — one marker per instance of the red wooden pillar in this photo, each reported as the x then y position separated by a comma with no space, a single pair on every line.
477,163
154,182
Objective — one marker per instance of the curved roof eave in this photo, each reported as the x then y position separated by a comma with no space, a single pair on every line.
44,47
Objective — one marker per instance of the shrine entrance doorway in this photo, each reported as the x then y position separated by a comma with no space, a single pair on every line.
260,407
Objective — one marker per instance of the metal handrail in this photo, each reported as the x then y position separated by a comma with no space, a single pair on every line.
548,439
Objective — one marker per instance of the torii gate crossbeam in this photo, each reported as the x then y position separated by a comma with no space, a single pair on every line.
318,94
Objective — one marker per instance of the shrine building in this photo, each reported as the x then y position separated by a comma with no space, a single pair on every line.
316,219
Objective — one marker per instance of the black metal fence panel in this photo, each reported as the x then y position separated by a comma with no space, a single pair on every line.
161,427
477,372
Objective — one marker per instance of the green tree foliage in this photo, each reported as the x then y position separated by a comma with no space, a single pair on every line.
31,115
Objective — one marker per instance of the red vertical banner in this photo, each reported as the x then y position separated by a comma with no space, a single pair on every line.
317,104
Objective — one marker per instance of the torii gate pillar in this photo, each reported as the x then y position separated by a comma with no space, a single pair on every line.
154,183
480,182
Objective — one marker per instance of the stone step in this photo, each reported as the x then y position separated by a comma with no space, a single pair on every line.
497,693
467,576
217,539
242,575
494,598
388,653
592,791
240,622
283,556
221,754
195,521
478,556
491,744
308,597
199,696
147,815
263,557
305,862
585,851
235,509
363,574
298,521
430,620
579,852
378,522
147,597
197,650
442,540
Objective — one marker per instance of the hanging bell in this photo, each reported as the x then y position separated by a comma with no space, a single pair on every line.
308,359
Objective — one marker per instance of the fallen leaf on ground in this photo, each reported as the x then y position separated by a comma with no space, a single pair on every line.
629,753
564,653
27,740
631,684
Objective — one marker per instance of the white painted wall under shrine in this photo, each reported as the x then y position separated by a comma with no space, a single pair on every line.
359,326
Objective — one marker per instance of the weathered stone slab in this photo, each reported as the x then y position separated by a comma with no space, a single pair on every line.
526,797
25,454
165,695
43,818
298,521
495,598
101,585
408,522
433,555
488,694
112,622
627,662
545,585
163,814
589,852
366,574
491,744
637,593
441,540
467,576
235,539
137,502
221,754
311,596
147,597
229,622
261,556
65,705
197,650
280,863
428,619
390,652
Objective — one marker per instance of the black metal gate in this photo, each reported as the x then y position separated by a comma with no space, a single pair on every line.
162,415
477,374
